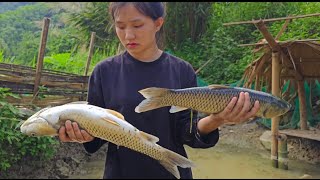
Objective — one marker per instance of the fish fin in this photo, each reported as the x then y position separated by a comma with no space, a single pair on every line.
149,137
172,160
115,113
153,92
175,109
149,104
217,86
110,121
78,102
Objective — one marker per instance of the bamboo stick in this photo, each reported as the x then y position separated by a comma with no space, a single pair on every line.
279,42
275,120
283,28
41,53
272,19
91,47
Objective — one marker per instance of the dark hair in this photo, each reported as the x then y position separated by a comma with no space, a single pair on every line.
154,10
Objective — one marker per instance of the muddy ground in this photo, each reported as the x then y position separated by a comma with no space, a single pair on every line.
72,156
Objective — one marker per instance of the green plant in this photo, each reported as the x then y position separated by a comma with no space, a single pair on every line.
14,145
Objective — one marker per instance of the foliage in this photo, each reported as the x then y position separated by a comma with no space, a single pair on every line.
14,145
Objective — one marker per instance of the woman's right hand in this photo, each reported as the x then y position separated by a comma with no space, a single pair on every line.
72,133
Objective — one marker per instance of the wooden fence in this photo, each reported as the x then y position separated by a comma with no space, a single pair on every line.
54,88
42,87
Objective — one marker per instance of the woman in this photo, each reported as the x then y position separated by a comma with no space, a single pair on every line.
115,82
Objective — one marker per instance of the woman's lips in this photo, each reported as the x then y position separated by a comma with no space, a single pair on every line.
132,45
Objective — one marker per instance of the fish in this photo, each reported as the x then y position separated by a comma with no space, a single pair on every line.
106,124
210,99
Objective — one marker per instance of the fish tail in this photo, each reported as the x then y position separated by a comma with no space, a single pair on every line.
172,160
153,99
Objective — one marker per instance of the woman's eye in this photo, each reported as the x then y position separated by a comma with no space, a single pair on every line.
137,26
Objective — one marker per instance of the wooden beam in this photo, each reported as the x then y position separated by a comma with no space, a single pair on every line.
270,20
41,53
263,29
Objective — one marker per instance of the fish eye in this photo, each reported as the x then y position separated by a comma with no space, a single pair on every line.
33,134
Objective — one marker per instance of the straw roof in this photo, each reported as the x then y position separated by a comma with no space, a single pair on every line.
299,61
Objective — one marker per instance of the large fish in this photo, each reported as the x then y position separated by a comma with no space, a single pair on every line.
106,124
210,99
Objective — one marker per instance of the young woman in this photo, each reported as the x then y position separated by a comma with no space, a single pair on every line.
115,82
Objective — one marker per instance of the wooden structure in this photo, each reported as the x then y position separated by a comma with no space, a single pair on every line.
281,61
43,87
56,87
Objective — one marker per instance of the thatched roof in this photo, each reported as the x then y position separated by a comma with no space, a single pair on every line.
299,60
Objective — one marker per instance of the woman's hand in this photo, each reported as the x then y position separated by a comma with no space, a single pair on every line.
72,133
237,111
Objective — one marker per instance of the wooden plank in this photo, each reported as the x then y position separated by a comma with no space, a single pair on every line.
272,19
307,134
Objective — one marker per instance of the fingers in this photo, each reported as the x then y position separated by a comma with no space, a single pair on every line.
77,133
230,106
72,133
238,111
239,106
62,135
86,136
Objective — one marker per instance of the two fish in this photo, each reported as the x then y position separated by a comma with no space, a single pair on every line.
111,126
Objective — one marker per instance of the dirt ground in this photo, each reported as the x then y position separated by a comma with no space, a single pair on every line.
72,156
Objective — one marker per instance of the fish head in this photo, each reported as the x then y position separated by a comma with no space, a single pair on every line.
276,107
38,125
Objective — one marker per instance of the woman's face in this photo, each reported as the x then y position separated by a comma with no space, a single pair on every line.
135,30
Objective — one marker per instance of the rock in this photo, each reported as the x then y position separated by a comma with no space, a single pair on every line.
306,176
265,140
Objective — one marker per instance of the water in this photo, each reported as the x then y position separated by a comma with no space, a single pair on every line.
225,161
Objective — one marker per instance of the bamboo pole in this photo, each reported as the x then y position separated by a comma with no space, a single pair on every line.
198,70
283,152
272,19
279,42
275,120
41,53
302,105
283,28
91,47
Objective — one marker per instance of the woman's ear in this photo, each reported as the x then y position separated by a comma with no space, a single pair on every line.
159,23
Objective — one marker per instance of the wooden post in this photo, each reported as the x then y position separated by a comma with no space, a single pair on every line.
302,105
283,151
91,47
275,120
42,49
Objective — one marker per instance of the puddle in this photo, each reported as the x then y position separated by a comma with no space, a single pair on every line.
225,161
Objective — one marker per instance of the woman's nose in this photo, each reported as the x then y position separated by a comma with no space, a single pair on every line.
129,35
